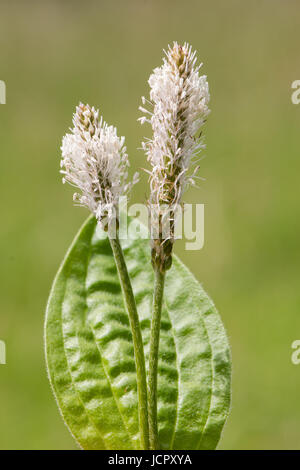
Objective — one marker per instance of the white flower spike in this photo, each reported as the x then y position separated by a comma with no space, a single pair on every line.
94,160
179,99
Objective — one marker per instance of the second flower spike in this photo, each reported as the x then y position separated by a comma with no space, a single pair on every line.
178,104
94,159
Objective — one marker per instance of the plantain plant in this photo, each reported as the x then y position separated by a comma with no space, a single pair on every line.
136,352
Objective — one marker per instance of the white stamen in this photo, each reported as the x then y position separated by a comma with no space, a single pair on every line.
94,159
180,98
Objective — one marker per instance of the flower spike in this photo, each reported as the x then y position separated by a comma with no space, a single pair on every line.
179,99
94,160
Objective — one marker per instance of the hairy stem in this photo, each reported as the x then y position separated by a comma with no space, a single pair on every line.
153,359
137,341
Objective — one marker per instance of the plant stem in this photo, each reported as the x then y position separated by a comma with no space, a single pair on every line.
137,341
153,358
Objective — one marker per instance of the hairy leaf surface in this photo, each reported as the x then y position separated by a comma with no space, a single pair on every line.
90,353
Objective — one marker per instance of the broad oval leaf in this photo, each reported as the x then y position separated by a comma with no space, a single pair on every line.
90,356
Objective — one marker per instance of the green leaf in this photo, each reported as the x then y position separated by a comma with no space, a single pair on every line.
90,353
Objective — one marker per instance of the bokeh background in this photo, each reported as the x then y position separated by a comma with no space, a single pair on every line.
54,54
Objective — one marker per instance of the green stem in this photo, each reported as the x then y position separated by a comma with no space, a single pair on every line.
153,358
137,340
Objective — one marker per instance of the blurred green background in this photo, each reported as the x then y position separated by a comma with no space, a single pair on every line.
54,54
